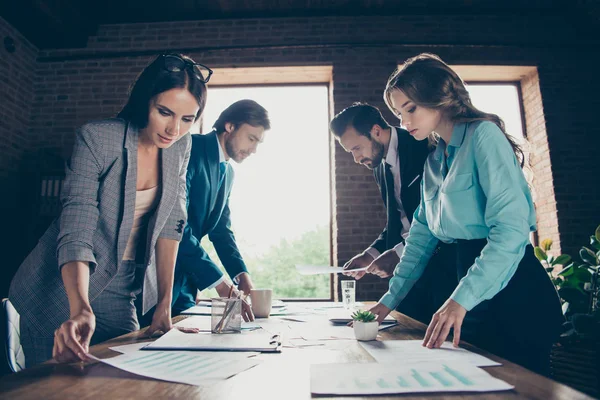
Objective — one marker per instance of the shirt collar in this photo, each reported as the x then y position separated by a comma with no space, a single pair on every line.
458,134
457,139
221,152
392,154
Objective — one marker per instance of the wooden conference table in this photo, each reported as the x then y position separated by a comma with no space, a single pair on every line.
280,376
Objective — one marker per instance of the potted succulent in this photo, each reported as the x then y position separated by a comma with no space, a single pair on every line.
365,325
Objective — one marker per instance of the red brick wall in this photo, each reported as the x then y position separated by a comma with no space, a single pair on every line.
17,72
76,85
540,167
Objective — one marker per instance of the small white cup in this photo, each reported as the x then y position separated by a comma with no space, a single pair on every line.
261,302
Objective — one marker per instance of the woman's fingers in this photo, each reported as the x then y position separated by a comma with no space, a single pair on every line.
443,335
63,349
437,329
456,339
73,341
429,330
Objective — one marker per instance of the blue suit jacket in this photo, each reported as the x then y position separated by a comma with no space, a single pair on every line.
208,213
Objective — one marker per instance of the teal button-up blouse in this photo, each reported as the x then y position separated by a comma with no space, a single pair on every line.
478,191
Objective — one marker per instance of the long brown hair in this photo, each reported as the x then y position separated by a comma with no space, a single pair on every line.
429,82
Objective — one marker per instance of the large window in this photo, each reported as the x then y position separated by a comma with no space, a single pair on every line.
503,100
280,202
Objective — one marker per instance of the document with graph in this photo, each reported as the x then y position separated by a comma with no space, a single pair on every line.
193,368
426,377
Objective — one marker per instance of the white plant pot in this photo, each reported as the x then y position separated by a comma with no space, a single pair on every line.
365,330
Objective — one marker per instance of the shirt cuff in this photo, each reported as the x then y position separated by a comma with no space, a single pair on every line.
389,301
373,252
464,297
236,279
216,283
399,249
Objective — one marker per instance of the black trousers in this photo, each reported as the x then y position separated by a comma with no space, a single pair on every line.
523,320
434,287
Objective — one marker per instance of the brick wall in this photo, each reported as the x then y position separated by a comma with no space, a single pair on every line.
76,85
571,88
17,71
539,160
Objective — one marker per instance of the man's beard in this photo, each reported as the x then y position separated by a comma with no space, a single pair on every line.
231,150
377,155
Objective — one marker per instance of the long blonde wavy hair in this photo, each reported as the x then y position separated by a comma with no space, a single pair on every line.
429,82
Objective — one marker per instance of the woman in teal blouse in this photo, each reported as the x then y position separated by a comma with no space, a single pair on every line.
474,194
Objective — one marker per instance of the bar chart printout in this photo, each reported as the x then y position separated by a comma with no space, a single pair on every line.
355,379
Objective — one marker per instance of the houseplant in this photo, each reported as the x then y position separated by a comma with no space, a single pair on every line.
365,325
575,359
577,283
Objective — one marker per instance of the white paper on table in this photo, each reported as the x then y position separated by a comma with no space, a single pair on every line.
355,379
276,303
246,341
343,316
129,348
202,322
322,269
193,368
409,351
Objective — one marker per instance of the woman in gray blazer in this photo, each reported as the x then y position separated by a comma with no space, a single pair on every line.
123,214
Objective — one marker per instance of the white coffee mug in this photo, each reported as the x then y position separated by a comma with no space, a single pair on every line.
261,302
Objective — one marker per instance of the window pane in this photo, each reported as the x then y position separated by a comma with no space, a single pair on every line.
502,100
280,199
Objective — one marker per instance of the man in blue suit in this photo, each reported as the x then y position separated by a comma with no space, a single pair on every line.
236,134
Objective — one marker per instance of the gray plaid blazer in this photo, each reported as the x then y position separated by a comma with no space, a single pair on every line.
98,204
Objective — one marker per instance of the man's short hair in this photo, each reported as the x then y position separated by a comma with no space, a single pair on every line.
360,116
243,112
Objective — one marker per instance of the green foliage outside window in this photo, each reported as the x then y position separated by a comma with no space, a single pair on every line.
276,269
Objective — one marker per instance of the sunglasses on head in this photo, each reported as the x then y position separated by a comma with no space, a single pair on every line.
174,63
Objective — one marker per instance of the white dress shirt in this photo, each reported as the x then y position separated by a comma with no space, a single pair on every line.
392,159
235,278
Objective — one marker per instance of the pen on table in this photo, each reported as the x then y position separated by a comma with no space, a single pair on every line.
227,310
384,328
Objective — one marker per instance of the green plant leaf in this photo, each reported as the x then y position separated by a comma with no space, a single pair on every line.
549,269
562,259
583,274
595,242
540,254
363,316
567,270
588,256
546,244
597,233
578,300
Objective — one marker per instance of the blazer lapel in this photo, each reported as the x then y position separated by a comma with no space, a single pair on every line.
212,166
169,178
130,150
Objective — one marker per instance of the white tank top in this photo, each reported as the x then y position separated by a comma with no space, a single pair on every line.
145,203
